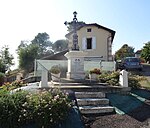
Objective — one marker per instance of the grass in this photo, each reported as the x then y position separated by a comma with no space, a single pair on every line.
145,83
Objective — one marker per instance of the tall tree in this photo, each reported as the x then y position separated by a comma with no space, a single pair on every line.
43,42
6,59
60,45
27,55
124,51
146,52
28,51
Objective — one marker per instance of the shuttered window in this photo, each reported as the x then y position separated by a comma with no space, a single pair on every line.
89,43
93,42
84,45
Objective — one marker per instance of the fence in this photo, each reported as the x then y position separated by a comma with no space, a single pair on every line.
63,64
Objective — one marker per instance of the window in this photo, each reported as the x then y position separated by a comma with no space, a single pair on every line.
89,30
89,43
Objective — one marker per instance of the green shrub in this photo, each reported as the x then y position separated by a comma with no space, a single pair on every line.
111,78
1,78
55,69
16,84
134,80
45,108
95,71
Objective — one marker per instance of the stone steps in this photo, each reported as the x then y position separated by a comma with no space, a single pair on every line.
93,103
90,95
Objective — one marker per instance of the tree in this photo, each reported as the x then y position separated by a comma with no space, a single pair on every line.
6,59
27,55
146,52
60,45
43,42
124,51
28,51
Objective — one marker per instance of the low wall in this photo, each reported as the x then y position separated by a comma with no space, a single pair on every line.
63,64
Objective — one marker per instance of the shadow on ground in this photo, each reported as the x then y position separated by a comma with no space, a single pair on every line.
136,104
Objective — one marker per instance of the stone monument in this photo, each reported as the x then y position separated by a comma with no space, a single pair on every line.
75,56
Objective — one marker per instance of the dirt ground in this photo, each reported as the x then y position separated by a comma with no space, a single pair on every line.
138,118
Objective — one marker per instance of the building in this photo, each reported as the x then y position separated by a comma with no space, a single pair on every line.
16,74
138,53
94,39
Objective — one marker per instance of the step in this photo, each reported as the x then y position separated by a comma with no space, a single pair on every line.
76,87
83,81
96,110
89,94
92,101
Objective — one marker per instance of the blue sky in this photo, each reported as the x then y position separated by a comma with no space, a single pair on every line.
24,19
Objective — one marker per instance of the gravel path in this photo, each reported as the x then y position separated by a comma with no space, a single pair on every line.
138,118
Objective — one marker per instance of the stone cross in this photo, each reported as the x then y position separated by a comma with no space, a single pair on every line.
75,46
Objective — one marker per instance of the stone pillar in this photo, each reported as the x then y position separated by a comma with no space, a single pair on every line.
123,79
44,79
75,64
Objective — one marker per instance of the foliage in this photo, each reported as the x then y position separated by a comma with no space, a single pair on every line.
146,52
29,51
10,86
113,79
124,51
1,78
45,109
95,71
43,42
55,69
110,77
27,55
6,59
60,45
134,80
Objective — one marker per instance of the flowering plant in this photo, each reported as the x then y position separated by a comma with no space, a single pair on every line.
95,71
55,69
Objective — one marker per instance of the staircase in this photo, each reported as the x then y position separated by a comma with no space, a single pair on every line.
90,95
93,103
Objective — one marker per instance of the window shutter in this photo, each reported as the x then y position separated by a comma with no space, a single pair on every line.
93,42
84,45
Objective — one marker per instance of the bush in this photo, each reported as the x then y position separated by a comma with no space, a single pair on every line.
95,71
16,84
134,80
111,78
1,78
55,69
45,108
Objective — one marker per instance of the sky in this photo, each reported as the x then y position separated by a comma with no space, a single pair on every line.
24,19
